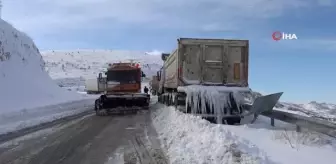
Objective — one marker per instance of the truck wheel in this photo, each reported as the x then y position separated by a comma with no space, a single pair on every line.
164,99
159,99
98,109
233,120
168,100
171,100
175,100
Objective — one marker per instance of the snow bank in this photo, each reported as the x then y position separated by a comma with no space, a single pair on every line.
284,145
23,80
14,121
189,139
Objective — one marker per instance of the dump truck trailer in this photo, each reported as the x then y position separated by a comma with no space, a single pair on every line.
208,77
122,90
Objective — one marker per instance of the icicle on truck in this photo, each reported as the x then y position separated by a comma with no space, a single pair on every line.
209,77
122,87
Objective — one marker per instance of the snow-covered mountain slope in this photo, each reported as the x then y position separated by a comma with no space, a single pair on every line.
70,68
88,63
313,108
23,81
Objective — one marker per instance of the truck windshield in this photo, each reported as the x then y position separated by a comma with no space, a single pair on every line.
124,76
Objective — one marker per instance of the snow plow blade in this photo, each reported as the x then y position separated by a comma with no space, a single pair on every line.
263,104
121,103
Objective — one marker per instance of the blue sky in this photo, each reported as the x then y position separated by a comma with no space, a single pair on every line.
303,68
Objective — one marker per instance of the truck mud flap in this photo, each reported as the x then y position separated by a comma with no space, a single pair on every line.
263,104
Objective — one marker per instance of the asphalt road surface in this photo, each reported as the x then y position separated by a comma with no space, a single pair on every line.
127,139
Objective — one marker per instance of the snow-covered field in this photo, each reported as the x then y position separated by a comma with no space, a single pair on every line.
88,63
190,139
25,86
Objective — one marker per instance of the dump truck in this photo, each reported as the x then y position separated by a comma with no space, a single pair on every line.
122,90
209,77
154,85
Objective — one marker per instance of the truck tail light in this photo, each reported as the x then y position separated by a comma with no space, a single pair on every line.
180,71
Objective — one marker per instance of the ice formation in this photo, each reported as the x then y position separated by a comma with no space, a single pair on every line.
217,98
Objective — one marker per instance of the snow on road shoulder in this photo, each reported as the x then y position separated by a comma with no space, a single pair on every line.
41,133
14,121
189,139
284,145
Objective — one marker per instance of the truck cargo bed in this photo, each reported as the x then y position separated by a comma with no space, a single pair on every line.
207,62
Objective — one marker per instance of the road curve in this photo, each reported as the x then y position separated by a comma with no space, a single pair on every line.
124,139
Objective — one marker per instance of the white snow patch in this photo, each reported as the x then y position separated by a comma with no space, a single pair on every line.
284,145
26,118
117,158
24,83
44,132
190,139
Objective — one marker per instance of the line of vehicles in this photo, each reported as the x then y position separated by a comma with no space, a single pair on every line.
203,76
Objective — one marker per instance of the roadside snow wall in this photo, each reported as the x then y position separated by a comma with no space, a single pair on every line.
190,139
23,81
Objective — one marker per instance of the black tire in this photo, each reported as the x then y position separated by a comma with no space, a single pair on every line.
175,101
233,120
98,109
164,99
168,100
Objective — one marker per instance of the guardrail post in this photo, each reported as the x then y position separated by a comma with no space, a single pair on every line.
298,128
272,121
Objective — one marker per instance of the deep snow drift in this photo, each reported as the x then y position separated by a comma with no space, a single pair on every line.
190,139
23,80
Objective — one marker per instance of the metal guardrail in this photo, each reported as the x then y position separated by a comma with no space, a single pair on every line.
268,102
318,125
264,106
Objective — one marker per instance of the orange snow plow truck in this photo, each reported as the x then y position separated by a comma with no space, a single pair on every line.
122,90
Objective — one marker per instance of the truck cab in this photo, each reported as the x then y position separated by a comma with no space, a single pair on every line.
122,87
122,77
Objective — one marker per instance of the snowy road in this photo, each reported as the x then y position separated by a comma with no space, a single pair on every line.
111,139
